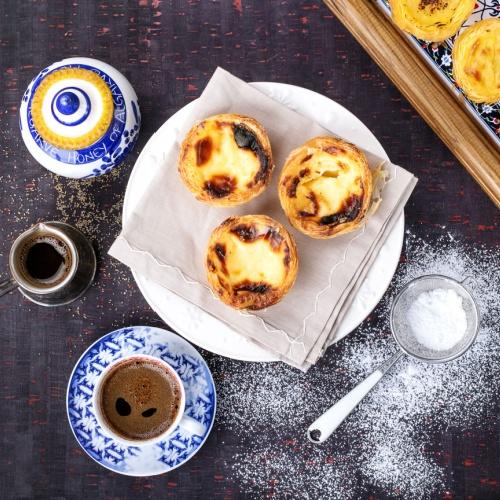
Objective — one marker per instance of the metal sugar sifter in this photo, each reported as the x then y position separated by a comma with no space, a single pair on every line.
326,424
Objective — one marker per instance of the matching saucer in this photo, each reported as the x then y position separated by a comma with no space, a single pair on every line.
152,459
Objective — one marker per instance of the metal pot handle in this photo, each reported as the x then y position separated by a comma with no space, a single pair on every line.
7,286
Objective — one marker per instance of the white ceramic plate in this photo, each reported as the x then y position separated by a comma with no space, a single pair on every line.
205,330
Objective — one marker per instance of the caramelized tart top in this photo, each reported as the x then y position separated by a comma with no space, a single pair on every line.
226,159
251,261
325,187
476,61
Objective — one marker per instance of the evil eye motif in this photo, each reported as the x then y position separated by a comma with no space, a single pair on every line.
79,117
72,108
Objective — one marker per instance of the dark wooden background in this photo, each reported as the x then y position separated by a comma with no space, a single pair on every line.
168,50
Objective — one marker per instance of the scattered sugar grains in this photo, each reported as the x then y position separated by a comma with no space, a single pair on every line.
385,445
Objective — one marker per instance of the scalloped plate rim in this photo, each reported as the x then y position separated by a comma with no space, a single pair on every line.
257,353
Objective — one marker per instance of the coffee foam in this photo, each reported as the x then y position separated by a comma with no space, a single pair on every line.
140,394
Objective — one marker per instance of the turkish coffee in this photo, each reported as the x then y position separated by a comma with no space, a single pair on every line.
139,399
44,261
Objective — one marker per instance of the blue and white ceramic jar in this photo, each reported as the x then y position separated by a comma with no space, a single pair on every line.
79,117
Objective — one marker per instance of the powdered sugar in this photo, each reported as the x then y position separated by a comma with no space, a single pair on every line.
386,445
437,319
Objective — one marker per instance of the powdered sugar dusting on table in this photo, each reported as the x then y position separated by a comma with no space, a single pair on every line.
385,445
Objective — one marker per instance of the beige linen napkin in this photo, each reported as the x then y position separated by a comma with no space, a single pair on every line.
165,238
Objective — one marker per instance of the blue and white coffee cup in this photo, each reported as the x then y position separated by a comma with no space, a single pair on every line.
186,422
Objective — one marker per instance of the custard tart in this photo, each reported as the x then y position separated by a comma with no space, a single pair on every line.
325,187
476,61
431,20
226,160
251,262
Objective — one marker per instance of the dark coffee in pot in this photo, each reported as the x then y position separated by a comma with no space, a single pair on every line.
45,260
51,264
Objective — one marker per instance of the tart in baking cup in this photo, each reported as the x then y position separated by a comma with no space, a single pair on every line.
79,117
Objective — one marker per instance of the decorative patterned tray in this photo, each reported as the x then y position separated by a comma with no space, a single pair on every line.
439,58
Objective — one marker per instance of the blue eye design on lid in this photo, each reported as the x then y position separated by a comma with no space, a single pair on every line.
80,126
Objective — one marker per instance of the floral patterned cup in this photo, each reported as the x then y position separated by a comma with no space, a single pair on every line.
185,421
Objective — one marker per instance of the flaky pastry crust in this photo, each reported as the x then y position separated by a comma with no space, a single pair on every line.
226,160
476,61
325,187
251,262
431,20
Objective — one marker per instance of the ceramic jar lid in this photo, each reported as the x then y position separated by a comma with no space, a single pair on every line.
79,117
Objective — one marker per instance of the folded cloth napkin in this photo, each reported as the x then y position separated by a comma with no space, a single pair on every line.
166,236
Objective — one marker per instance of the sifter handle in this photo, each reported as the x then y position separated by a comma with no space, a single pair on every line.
322,428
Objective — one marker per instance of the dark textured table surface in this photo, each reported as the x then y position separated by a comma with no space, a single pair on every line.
168,50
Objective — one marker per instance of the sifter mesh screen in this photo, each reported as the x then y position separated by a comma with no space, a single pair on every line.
403,332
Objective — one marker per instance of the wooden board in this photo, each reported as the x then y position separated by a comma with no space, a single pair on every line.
439,107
